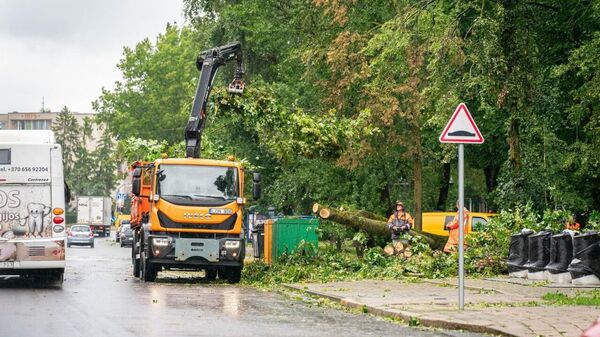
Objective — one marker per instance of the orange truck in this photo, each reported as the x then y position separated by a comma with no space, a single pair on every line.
187,213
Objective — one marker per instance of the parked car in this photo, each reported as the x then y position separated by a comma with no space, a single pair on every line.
81,235
435,222
120,225
126,235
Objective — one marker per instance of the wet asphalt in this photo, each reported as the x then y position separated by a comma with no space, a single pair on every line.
101,298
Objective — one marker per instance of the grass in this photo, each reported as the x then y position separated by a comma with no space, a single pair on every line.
589,298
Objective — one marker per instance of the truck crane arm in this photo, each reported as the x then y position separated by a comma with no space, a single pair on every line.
208,63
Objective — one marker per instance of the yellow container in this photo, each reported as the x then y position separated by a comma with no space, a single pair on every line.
268,243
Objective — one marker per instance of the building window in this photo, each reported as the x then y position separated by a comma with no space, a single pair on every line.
1,125
42,124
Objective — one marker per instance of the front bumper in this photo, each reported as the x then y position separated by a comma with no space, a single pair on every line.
80,241
196,252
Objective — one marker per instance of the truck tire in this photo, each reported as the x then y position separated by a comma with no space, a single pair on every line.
210,274
134,259
148,271
136,267
234,275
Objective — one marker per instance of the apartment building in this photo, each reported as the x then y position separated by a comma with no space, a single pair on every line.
41,121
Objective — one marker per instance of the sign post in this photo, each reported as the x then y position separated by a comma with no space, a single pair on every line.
461,129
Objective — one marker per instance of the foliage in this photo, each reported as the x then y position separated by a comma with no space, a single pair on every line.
87,172
345,100
487,251
154,98
335,233
593,222
589,298
331,264
133,148
555,220
67,133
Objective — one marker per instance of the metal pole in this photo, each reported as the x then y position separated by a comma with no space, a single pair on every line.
461,227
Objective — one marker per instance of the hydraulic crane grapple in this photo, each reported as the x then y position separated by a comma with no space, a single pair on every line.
208,63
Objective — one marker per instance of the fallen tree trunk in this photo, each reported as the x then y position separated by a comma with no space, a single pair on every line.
370,226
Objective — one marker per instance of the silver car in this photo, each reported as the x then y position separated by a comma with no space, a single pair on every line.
80,235
126,235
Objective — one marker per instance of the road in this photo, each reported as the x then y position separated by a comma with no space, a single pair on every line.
100,298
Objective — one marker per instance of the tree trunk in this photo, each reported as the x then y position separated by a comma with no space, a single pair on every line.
491,176
418,182
444,187
372,216
514,147
373,227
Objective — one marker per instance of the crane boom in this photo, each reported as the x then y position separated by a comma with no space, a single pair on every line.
208,63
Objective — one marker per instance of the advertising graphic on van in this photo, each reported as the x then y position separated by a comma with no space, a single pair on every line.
26,219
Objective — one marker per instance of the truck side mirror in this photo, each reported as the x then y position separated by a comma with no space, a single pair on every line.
136,182
256,190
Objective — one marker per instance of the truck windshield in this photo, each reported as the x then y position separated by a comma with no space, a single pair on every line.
211,185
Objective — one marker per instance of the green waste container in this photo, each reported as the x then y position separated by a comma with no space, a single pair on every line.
289,232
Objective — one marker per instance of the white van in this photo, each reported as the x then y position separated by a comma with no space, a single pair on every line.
32,205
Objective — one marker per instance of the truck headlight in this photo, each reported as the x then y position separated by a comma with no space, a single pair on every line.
232,244
161,242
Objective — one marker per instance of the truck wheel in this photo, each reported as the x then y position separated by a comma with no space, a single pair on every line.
210,274
234,275
148,271
134,259
136,267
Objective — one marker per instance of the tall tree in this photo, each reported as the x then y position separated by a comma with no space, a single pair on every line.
68,133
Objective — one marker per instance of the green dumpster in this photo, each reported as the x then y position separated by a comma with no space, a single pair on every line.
289,232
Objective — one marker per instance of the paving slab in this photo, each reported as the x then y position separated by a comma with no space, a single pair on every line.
498,306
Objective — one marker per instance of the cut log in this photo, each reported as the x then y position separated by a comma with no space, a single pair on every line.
325,213
316,208
407,253
374,227
399,247
388,250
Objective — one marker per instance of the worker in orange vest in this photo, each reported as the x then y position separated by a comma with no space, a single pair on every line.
453,236
572,223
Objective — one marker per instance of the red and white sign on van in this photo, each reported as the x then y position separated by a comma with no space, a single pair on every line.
461,128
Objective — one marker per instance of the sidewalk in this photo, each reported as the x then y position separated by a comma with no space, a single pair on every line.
499,306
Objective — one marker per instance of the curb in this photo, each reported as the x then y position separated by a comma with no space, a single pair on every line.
405,316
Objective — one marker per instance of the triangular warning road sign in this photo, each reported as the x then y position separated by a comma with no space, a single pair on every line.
461,128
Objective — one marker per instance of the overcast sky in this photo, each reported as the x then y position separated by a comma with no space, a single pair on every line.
67,50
